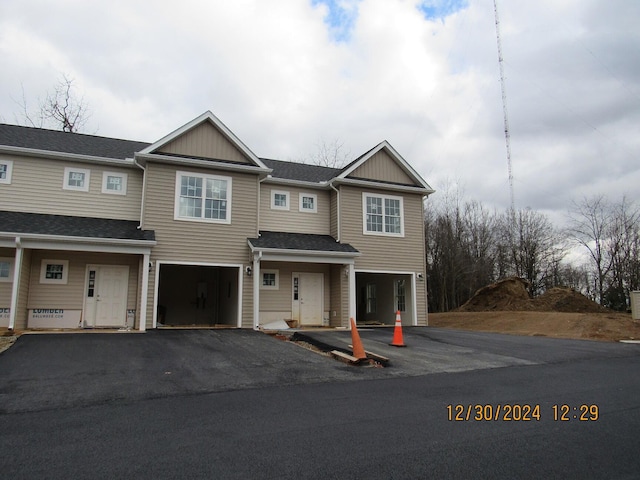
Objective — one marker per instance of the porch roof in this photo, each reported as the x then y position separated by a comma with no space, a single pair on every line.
68,227
303,243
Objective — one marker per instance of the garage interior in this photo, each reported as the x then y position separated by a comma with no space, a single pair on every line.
380,295
197,296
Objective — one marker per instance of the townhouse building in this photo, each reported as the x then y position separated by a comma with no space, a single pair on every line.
195,229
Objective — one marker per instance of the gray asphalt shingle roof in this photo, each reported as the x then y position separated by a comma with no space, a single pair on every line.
68,226
300,241
300,171
64,142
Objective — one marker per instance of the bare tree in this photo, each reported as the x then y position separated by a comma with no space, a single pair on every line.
61,109
330,154
589,227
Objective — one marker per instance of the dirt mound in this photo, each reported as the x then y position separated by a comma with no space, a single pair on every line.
562,299
511,294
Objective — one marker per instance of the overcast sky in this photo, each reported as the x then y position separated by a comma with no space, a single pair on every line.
286,75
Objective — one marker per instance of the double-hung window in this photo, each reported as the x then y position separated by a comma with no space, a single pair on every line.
76,179
383,215
279,200
6,269
114,183
6,167
308,202
202,197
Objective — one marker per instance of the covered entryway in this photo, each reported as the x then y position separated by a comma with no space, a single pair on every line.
381,295
198,295
106,288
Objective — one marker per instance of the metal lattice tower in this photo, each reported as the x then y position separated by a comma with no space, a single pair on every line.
507,135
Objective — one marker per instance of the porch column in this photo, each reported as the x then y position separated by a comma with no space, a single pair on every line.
144,293
255,271
17,269
352,291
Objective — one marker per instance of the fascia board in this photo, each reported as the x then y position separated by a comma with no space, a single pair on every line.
72,157
197,121
63,239
383,186
194,162
293,183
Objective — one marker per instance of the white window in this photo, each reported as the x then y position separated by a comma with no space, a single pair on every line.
400,295
6,167
6,269
279,200
383,215
202,197
308,202
270,280
76,179
54,271
114,183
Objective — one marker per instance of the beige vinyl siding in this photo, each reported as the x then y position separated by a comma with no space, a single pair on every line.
382,167
294,220
281,299
7,287
71,294
339,297
36,187
333,229
205,141
387,253
204,242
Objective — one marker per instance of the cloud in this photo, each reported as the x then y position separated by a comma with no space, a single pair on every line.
423,75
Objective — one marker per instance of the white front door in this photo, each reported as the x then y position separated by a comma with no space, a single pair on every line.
311,288
106,296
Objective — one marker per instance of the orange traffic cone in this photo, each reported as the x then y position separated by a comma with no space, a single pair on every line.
397,332
358,349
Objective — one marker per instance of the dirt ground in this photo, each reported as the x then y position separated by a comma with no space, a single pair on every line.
506,307
611,326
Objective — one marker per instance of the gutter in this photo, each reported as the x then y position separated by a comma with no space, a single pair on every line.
210,164
74,157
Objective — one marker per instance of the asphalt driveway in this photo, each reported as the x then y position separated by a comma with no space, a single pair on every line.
42,372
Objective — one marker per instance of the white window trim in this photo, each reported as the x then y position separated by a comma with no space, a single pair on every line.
65,271
105,178
8,260
273,200
204,176
9,164
269,287
364,215
87,179
315,203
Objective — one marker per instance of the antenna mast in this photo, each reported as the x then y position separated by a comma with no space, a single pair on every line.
507,135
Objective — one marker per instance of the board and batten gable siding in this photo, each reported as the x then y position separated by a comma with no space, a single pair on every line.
201,242
36,187
382,167
71,295
294,220
205,141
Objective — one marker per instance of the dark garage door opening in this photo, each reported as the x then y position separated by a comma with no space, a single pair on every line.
197,295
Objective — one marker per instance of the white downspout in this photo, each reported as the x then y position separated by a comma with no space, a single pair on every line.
17,269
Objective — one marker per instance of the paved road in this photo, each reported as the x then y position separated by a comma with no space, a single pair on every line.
183,405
